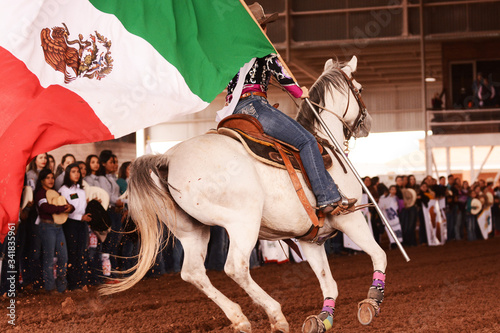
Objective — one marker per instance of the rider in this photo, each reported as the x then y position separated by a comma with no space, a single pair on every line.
253,102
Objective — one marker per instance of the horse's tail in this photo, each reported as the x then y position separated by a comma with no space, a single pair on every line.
150,204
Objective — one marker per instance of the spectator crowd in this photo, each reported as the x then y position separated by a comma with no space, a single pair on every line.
69,237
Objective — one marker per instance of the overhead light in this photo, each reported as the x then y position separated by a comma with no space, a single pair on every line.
430,79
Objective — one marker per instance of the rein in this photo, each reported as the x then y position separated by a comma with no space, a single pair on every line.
348,130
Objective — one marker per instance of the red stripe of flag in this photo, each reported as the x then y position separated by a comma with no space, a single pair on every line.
34,120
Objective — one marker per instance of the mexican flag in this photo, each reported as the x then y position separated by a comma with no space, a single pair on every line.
83,71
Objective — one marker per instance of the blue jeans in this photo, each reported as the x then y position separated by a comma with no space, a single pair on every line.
54,245
470,224
282,127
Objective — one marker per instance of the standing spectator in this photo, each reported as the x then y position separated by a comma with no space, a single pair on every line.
123,176
390,206
495,214
51,163
475,88
36,165
423,198
75,229
486,94
93,166
470,218
412,183
399,182
53,240
65,161
409,214
377,225
83,168
129,242
460,203
107,181
451,208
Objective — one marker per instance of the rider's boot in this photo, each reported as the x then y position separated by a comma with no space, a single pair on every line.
344,203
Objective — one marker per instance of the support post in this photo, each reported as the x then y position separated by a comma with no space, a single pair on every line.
348,162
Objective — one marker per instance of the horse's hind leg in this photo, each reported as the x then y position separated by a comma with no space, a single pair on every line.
243,237
195,244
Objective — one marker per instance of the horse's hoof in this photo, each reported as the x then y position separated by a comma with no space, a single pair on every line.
244,327
313,325
366,313
281,327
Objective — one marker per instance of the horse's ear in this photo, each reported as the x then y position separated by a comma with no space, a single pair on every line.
328,65
353,64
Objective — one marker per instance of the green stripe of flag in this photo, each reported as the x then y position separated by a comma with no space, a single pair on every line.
206,40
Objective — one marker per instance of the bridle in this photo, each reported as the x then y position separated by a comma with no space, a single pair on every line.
350,130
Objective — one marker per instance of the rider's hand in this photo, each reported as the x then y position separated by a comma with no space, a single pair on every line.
305,92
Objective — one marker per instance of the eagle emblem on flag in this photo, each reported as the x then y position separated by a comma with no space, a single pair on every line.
90,58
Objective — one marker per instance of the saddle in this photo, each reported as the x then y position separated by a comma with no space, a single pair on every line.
267,149
250,133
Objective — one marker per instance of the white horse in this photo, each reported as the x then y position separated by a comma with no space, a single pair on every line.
211,180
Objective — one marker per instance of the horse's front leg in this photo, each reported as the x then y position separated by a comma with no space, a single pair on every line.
355,227
316,256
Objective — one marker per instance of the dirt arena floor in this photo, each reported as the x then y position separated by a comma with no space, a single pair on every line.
452,288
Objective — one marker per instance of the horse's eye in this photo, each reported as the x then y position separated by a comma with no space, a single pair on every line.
360,90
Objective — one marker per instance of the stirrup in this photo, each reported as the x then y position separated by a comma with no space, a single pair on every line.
343,206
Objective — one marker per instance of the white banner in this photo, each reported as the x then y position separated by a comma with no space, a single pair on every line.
484,222
348,243
389,206
435,222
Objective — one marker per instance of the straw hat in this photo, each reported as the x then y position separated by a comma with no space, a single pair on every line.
260,15
99,194
27,196
409,197
56,199
489,199
476,206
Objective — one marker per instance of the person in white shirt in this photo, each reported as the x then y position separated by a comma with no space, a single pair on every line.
76,229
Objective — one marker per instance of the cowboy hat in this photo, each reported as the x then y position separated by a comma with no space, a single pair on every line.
259,14
99,194
476,206
409,197
56,199
27,196
489,199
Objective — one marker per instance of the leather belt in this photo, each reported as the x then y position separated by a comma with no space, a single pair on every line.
254,93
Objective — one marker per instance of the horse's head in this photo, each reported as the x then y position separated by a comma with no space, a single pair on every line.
339,95
355,113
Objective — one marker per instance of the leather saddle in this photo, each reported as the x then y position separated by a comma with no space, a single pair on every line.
248,130
267,149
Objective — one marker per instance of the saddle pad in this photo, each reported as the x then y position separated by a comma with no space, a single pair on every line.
265,151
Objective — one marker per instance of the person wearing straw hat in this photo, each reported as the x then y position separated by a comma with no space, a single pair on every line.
253,101
53,240
472,209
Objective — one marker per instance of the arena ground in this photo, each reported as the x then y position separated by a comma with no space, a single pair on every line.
451,288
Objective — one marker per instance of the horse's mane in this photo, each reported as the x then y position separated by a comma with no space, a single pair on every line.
329,80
